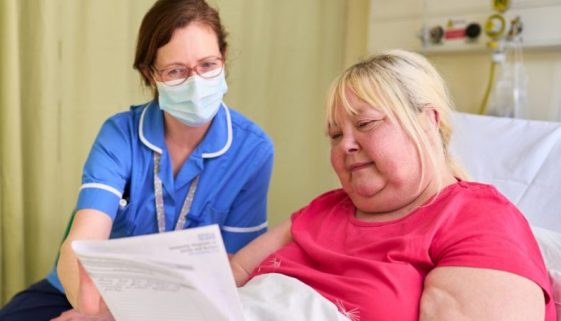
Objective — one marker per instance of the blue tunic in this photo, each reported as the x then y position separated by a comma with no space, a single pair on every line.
234,161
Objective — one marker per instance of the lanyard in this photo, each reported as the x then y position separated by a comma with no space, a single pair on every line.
160,199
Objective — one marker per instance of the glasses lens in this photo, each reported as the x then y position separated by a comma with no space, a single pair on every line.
175,75
174,82
210,68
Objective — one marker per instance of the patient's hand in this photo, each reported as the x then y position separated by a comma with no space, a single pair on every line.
249,257
240,274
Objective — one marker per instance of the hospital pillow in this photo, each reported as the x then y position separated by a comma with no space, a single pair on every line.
522,158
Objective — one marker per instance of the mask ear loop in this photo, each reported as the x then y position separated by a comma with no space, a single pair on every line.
150,80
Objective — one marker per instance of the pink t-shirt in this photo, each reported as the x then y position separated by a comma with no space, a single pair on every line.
375,271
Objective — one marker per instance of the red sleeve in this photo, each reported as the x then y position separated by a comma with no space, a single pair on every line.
487,231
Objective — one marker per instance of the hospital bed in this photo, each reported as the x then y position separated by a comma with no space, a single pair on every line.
522,158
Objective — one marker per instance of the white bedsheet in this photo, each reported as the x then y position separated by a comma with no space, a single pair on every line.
276,297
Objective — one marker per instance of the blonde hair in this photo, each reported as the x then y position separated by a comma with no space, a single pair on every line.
399,84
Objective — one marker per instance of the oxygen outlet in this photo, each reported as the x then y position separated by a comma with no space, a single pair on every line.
473,30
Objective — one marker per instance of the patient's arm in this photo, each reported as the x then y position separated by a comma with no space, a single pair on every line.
462,293
247,259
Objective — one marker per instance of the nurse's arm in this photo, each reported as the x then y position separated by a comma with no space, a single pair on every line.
463,293
249,257
88,224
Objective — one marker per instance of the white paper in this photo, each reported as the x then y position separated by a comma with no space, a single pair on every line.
183,275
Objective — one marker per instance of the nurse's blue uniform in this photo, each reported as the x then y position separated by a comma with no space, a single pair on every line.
228,172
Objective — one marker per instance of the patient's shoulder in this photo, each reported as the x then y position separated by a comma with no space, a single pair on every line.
473,206
475,194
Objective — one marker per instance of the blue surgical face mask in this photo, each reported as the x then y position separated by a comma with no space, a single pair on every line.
195,101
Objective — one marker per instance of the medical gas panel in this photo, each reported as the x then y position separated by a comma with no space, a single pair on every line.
441,26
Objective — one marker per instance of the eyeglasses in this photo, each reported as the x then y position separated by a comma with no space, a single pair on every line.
175,75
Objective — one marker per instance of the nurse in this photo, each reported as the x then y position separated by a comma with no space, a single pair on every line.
182,160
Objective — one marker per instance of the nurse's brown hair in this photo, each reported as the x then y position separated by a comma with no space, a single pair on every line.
162,20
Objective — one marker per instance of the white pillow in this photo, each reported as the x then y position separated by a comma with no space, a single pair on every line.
520,157
550,245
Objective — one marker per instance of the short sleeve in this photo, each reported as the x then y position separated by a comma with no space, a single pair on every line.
489,232
108,166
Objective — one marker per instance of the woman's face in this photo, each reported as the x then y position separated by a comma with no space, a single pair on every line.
376,162
188,46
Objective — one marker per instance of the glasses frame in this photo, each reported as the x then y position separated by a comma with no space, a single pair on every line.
191,71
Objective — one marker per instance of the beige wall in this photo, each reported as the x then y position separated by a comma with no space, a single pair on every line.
398,23
467,77
281,84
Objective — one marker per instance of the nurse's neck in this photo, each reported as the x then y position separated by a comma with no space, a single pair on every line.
181,140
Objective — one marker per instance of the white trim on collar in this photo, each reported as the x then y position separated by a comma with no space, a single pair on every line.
228,141
205,155
141,133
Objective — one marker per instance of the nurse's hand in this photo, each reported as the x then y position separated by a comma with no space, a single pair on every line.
90,301
91,306
75,315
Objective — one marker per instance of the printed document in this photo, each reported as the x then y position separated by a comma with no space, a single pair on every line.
182,275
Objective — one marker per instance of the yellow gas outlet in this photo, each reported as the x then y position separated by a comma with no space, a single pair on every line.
495,26
501,5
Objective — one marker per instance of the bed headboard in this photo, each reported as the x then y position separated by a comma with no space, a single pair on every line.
522,158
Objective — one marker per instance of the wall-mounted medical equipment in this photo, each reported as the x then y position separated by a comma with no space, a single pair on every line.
462,31
448,26
505,94
455,31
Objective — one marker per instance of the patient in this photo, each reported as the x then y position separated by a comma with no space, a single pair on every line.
407,237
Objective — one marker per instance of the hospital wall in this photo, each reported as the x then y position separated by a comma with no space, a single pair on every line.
467,78
282,60
466,69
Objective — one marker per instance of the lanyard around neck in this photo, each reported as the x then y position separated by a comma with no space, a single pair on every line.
160,215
